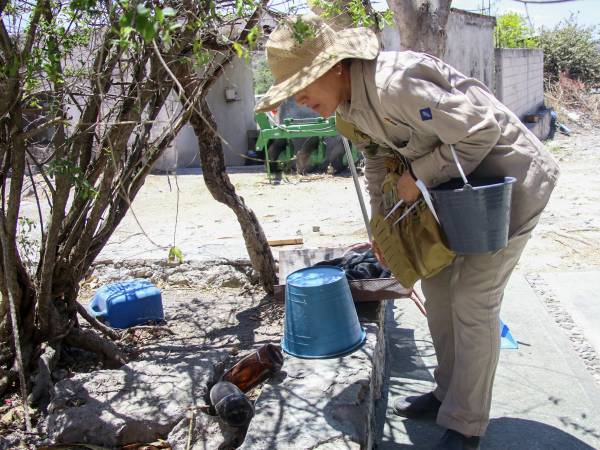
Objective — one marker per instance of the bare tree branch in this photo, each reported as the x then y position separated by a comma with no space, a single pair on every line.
6,44
107,331
88,340
30,134
33,24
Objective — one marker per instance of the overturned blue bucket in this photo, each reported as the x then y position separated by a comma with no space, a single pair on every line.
474,214
320,317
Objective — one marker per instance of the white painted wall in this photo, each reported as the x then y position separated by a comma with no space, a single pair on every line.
520,79
470,46
233,119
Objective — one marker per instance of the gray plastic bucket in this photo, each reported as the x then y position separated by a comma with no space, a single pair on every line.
474,214
474,217
320,317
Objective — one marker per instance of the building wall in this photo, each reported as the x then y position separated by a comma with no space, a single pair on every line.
470,45
234,117
520,79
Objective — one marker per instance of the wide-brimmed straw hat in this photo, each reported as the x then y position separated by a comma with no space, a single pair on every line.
296,60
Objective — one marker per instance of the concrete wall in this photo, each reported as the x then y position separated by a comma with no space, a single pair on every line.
234,116
470,46
520,79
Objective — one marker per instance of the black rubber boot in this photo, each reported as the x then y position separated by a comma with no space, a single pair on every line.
453,440
424,406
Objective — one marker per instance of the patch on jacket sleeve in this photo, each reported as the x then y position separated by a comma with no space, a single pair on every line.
426,114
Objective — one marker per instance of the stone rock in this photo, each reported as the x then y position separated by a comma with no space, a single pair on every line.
322,403
225,276
141,272
178,279
573,116
136,403
208,433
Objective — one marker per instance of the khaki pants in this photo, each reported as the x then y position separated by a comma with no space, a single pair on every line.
463,308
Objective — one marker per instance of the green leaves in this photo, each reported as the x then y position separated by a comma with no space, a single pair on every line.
175,253
66,168
302,30
263,79
571,48
83,5
352,13
512,31
252,36
146,22
201,55
161,14
238,49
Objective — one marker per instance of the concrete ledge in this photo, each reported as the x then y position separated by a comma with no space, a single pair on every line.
541,128
324,403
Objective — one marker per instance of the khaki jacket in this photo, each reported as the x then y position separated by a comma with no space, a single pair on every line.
417,105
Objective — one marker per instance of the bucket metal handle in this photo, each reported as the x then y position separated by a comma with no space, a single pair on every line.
460,169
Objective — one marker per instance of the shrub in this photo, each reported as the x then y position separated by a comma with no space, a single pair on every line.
571,50
262,74
512,31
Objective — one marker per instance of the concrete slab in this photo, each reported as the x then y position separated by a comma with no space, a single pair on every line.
579,294
543,396
323,403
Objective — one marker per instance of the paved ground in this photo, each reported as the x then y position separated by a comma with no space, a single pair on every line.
544,398
579,293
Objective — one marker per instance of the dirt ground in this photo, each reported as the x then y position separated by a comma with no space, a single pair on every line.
321,209
324,211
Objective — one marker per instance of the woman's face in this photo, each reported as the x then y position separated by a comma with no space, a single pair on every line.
325,93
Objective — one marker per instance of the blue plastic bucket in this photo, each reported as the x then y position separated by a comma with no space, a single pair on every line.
474,216
320,317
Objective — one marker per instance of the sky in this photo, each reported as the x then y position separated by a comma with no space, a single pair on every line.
548,15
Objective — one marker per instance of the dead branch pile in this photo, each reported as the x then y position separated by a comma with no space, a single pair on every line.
568,95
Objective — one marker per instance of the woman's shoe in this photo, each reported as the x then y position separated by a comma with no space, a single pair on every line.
417,406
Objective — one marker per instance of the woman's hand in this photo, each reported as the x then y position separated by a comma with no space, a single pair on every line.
407,189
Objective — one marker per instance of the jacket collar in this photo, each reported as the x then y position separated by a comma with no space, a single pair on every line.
358,100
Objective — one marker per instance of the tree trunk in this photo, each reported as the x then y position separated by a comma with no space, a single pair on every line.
217,182
422,24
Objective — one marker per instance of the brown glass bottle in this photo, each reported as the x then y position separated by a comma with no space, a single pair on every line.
255,368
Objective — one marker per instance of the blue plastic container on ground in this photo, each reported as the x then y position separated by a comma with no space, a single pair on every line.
320,317
128,303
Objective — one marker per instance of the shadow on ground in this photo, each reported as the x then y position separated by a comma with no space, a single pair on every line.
408,374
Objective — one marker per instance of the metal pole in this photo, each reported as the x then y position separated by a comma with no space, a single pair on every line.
357,186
